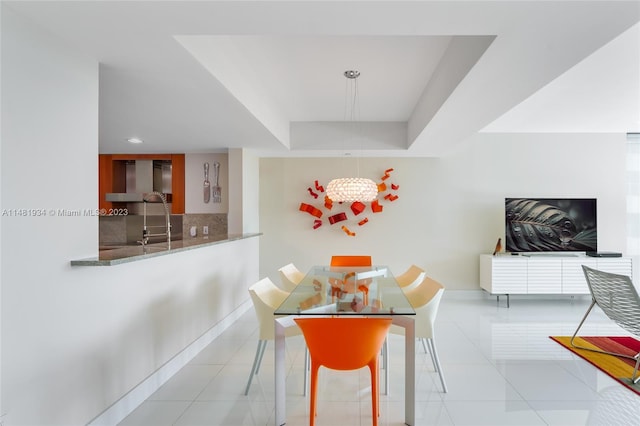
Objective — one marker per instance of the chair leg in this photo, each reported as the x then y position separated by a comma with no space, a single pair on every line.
438,367
264,347
256,363
384,352
385,364
314,391
433,361
375,396
306,370
593,303
635,378
636,358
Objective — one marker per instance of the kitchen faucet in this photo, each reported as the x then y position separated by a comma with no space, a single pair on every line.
145,233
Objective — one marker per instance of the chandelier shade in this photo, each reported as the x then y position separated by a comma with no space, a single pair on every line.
352,189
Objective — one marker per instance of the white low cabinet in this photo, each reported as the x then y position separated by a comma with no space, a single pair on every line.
539,274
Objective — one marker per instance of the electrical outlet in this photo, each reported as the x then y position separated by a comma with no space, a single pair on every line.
205,230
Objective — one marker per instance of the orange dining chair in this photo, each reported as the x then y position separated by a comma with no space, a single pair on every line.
344,343
351,260
347,286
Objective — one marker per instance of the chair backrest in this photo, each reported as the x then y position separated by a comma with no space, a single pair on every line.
351,260
266,298
290,276
616,296
344,342
411,277
425,299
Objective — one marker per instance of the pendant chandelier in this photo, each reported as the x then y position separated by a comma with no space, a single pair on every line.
351,189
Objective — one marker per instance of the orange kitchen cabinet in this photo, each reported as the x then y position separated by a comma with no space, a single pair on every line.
112,178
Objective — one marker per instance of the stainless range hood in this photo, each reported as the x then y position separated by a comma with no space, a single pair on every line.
142,177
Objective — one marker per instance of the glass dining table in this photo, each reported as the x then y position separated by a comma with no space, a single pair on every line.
361,291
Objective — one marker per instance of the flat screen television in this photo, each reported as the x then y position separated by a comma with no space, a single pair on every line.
551,224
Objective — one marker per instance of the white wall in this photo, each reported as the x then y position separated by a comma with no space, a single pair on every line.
450,209
243,192
250,192
1,206
234,218
75,340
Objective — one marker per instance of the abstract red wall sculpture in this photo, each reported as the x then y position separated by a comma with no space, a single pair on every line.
347,213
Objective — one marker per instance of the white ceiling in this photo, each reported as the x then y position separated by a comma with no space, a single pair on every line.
205,76
599,94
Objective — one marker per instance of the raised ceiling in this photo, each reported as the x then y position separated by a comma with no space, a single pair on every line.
205,76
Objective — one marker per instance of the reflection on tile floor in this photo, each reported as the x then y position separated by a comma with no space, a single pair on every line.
500,365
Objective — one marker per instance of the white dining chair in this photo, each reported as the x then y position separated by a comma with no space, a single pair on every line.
425,300
290,276
266,298
411,277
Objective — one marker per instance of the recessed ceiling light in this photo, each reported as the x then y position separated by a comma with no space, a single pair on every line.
134,140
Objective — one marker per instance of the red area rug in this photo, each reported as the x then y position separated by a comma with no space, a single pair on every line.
618,368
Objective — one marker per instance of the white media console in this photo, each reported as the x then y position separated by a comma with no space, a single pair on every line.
544,274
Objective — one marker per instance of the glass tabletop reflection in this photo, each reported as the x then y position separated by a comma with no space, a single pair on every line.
370,290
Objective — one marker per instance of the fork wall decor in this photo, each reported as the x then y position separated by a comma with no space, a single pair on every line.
347,215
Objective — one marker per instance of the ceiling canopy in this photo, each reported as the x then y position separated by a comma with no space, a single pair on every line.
206,76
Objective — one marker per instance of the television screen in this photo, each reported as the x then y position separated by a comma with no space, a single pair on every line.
551,224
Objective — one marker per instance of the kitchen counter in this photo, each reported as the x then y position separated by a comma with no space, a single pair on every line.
124,254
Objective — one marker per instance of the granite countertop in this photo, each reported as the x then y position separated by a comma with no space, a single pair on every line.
124,254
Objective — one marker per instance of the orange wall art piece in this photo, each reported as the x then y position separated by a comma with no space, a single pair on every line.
349,216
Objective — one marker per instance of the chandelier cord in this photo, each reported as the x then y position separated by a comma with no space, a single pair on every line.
355,121
352,189
351,100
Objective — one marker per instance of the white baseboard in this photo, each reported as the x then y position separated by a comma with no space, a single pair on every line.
136,396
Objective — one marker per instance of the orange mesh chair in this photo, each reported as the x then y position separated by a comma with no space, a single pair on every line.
344,343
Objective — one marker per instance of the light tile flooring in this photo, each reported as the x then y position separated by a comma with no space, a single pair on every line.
499,363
